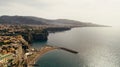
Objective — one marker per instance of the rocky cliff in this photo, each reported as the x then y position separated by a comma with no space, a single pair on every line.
34,35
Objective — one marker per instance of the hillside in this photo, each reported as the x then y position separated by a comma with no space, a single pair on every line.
41,21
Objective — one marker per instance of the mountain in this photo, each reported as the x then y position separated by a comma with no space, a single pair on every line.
21,20
41,21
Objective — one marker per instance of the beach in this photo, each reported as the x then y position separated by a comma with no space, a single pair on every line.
37,54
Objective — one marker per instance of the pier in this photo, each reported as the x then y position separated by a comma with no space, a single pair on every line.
69,50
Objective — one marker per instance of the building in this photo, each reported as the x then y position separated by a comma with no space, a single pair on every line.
5,59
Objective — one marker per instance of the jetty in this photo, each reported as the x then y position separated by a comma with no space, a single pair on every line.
69,50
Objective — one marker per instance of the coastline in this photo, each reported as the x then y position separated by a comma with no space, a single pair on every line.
39,53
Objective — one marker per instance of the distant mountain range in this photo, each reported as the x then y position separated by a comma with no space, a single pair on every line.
42,21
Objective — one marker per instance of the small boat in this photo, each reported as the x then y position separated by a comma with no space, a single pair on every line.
34,64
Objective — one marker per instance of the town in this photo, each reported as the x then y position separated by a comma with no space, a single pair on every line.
14,49
11,50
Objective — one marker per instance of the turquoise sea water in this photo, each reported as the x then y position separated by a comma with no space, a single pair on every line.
97,47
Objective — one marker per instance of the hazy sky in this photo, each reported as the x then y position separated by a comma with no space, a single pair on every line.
96,11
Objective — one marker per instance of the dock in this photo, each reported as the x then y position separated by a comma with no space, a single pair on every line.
69,50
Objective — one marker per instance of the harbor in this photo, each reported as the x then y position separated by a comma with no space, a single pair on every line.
47,48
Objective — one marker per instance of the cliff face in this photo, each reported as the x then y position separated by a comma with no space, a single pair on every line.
40,36
35,35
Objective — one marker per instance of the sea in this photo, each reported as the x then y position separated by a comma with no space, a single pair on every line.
97,47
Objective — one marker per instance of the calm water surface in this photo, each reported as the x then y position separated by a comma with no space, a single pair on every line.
97,47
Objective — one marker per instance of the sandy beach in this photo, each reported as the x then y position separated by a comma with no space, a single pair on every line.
38,54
